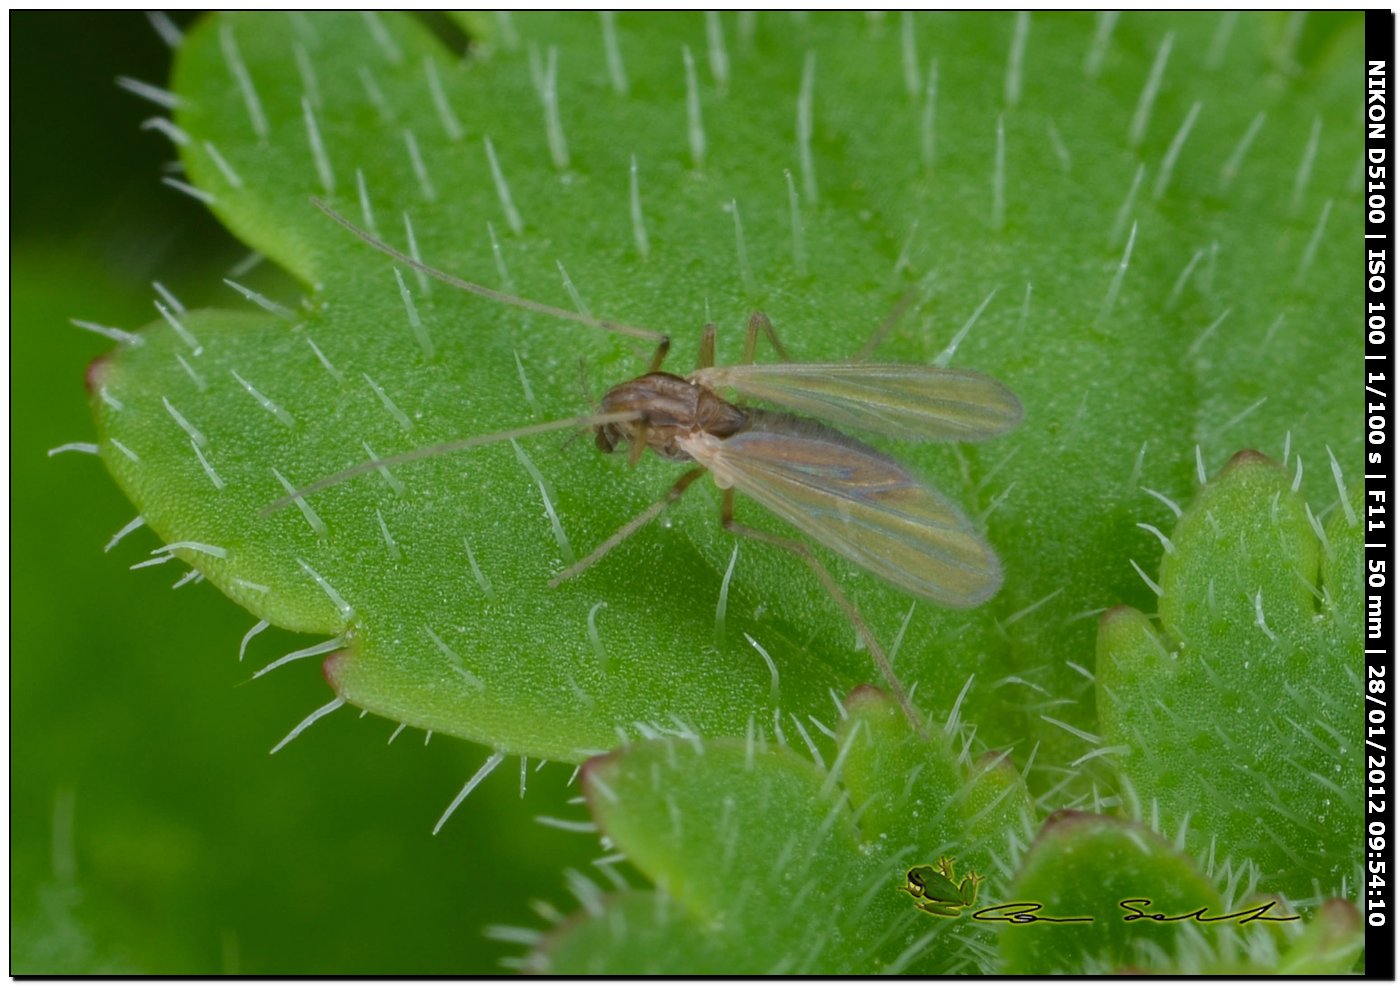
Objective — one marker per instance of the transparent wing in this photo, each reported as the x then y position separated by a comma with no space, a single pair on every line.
901,400
859,503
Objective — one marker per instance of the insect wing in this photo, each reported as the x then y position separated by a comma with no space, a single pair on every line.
901,400
859,503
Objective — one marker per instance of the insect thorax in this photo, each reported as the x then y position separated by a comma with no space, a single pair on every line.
667,406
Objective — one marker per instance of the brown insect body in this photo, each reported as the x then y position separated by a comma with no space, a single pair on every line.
887,521
668,407
681,419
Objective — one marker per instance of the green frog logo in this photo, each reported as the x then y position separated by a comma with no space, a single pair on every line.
937,891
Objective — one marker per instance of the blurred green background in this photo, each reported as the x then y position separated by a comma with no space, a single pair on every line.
150,830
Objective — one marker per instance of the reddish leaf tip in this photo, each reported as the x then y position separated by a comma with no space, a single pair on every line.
1248,457
96,373
1115,613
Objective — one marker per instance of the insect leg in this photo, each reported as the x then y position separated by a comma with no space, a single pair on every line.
662,348
801,550
887,326
639,444
758,322
628,529
707,348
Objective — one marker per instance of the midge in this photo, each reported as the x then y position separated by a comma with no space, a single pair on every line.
840,492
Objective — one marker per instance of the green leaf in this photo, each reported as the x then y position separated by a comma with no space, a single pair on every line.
1237,722
765,862
1140,894
1330,944
1120,378
928,793
1083,866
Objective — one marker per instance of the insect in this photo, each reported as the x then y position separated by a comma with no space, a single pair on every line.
936,890
840,492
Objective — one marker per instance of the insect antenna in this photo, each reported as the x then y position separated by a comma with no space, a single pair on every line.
498,296
443,448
